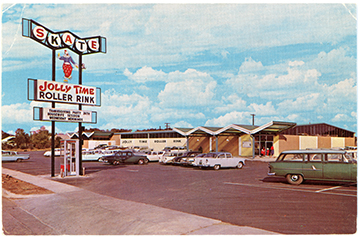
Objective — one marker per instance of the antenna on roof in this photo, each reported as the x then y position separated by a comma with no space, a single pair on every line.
167,125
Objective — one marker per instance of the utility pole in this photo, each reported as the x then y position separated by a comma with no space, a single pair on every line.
253,119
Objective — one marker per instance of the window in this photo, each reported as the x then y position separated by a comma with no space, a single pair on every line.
315,157
229,155
222,156
293,157
334,157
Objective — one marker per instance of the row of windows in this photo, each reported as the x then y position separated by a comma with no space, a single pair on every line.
316,158
152,135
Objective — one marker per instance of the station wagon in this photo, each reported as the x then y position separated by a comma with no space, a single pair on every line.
327,165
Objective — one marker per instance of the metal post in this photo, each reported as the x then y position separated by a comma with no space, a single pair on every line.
187,143
53,122
216,143
80,124
253,147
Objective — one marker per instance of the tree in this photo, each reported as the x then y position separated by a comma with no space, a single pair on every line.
57,142
21,138
41,139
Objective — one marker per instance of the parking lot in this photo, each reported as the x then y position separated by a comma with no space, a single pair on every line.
244,197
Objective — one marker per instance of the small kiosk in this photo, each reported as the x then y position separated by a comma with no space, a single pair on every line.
70,154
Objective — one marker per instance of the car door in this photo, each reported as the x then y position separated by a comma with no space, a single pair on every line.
222,160
231,162
130,158
313,167
337,167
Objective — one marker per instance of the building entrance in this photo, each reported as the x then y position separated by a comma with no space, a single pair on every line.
263,144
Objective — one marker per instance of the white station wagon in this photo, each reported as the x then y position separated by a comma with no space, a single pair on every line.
218,160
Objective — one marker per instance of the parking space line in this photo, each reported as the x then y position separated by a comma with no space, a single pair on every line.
290,189
326,189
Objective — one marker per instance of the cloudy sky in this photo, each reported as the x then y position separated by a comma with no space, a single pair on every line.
192,64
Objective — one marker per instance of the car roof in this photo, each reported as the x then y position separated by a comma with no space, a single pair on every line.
312,151
219,152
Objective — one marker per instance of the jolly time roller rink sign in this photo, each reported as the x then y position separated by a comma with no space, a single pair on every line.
51,91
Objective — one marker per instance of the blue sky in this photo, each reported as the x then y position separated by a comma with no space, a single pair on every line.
192,65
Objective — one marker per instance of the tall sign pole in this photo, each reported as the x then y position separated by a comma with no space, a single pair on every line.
51,92
80,129
53,122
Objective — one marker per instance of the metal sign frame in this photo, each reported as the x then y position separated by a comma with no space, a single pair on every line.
56,41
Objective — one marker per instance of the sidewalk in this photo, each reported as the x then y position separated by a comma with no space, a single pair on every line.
262,158
75,211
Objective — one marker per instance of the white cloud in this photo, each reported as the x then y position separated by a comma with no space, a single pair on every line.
309,102
333,61
231,103
146,74
136,111
274,86
191,88
263,110
296,63
19,113
341,118
230,118
182,124
249,66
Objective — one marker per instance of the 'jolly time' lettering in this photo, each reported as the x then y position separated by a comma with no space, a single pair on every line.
62,92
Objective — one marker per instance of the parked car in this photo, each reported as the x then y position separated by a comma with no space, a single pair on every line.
154,155
125,157
300,165
92,155
13,156
56,152
188,161
178,159
218,160
168,156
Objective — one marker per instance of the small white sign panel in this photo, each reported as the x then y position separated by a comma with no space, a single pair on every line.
66,115
247,144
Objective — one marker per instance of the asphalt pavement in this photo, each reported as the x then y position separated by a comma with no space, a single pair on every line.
70,210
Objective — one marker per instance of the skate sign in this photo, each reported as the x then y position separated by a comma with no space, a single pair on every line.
62,39
51,91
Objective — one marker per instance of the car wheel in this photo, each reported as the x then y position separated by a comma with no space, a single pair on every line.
240,165
216,167
140,162
19,160
294,179
146,161
115,162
